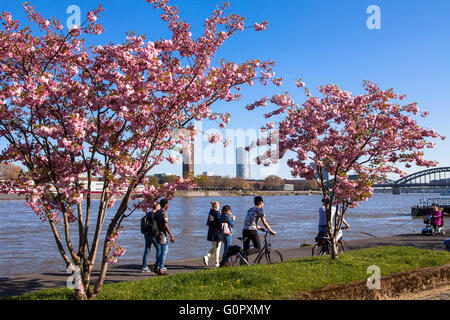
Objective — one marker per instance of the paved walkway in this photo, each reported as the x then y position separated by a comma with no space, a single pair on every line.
436,295
20,284
439,296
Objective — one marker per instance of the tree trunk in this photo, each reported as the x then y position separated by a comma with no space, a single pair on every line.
101,279
80,294
80,287
334,249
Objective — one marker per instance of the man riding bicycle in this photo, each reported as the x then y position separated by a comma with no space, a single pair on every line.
323,224
250,231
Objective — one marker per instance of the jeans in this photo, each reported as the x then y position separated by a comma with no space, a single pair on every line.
254,237
226,244
148,245
162,250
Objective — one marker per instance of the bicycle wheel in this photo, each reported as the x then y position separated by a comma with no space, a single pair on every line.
275,256
238,260
269,257
319,250
341,246
235,261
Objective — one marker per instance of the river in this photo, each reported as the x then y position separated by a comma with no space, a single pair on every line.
27,245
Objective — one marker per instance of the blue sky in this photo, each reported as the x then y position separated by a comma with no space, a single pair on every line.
319,41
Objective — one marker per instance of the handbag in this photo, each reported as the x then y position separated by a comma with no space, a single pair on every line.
226,229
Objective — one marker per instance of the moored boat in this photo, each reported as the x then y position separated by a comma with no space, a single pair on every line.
426,206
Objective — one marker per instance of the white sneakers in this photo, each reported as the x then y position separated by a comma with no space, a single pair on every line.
206,261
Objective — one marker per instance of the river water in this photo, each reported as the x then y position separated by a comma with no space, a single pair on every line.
27,244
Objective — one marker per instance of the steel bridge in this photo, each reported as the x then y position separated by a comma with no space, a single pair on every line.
430,178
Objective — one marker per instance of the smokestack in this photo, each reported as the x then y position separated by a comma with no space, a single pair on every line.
188,160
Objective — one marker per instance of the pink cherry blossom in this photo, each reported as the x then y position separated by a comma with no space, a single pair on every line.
270,125
73,113
215,138
366,135
172,159
278,82
91,16
261,26
300,83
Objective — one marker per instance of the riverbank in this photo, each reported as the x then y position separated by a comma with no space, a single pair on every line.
22,284
200,193
226,193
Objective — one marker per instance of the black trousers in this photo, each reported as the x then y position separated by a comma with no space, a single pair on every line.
251,235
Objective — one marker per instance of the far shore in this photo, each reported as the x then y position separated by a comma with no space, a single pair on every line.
200,193
226,193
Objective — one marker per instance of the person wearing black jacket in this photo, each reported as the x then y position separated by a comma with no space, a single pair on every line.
149,240
213,234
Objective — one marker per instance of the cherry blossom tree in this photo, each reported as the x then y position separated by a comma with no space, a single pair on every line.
71,113
365,136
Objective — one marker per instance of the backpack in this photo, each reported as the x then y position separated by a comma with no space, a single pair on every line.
145,223
149,225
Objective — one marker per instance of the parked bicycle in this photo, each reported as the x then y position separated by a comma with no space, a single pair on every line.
324,244
265,255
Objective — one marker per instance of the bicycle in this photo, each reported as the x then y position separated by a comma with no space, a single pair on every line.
265,255
324,244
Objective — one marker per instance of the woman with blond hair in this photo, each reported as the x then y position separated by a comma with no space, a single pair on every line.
213,233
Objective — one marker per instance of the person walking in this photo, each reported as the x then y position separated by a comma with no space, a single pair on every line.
213,234
250,231
149,240
226,221
163,227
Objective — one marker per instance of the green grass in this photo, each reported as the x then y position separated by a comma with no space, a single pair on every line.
276,281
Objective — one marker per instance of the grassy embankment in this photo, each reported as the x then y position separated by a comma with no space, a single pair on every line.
278,281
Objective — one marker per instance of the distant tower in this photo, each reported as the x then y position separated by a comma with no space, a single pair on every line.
188,160
242,163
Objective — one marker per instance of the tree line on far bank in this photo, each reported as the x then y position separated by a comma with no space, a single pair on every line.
10,171
271,182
